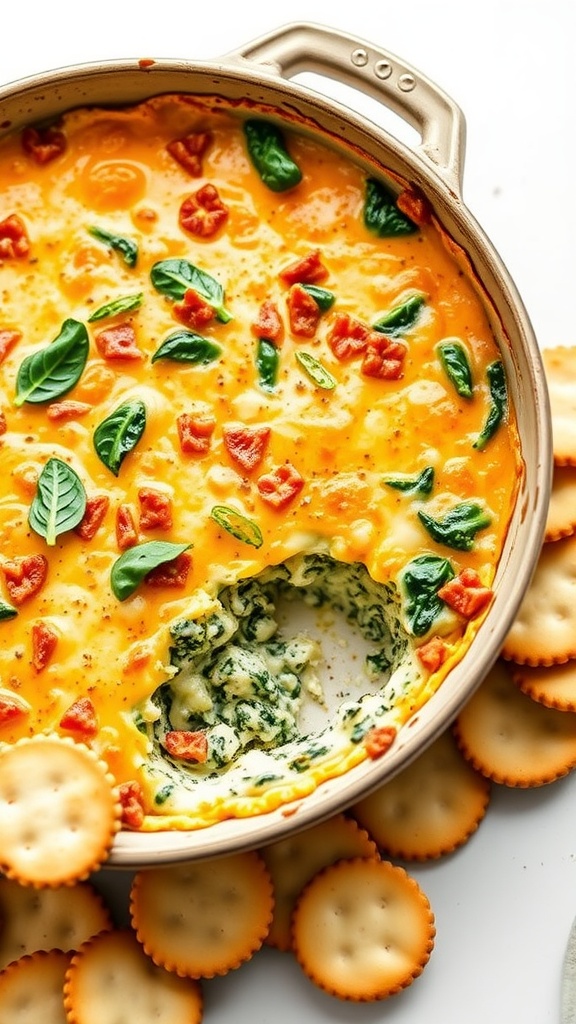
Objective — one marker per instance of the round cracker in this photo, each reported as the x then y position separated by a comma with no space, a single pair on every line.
511,738
58,811
292,862
204,918
551,685
112,979
560,369
561,521
362,929
544,630
32,989
430,808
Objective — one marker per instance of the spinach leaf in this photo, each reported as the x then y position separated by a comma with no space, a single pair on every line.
184,346
268,153
7,611
422,483
125,304
381,215
499,404
401,318
323,297
454,359
174,277
127,249
237,525
59,503
267,363
55,369
119,433
136,562
421,581
317,373
459,526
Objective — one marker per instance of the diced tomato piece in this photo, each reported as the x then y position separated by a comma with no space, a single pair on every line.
3,423
10,709
384,357
303,312
203,213
67,410
378,740
189,150
171,574
14,240
246,444
126,532
131,797
308,270
414,206
96,508
193,311
347,336
44,643
44,144
118,342
81,718
281,486
195,432
465,594
268,324
8,339
25,576
188,746
433,653
155,509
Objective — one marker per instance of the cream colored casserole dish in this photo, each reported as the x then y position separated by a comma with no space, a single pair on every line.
359,432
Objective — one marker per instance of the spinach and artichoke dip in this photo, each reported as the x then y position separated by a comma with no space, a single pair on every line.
242,378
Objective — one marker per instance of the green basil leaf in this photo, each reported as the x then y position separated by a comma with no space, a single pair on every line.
184,346
317,373
499,404
422,483
268,153
381,215
56,368
323,297
136,562
127,249
174,277
421,581
7,611
402,318
267,363
59,502
459,526
125,304
456,364
239,526
119,433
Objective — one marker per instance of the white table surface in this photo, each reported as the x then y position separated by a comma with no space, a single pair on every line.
504,903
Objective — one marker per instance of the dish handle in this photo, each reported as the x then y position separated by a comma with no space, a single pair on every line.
301,47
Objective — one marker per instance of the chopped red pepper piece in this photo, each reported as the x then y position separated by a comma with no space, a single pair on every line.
303,312
8,339
25,576
155,509
195,432
384,357
246,444
81,718
281,486
118,342
67,410
96,508
465,594
13,238
44,643
433,653
189,150
131,797
347,336
203,213
44,144
10,710
188,746
378,740
171,574
193,311
126,532
308,270
268,324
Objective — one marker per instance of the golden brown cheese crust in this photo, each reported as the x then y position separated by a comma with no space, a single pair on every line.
72,639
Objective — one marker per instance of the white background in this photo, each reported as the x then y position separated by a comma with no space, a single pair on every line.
504,903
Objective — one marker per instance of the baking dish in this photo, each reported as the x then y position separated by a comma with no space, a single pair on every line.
259,77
